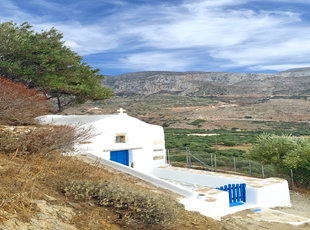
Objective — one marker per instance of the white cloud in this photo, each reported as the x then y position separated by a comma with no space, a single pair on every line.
279,67
208,28
156,61
242,37
9,11
197,5
289,1
230,31
88,40
289,50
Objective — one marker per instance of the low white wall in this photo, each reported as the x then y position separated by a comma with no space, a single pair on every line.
266,193
215,208
179,174
213,203
146,177
268,196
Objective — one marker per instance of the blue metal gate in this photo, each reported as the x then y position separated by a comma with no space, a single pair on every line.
236,193
120,156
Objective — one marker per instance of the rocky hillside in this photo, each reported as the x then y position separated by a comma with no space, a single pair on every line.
293,82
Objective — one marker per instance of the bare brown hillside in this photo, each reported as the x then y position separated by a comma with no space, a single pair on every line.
294,82
32,197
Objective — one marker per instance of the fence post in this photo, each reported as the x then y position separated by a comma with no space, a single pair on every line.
292,178
263,171
250,168
235,164
211,158
188,158
168,156
215,162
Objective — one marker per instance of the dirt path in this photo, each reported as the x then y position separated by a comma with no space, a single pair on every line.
300,205
295,217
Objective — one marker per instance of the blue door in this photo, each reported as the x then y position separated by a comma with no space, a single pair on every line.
120,156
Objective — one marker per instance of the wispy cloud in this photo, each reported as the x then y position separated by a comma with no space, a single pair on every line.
177,35
152,60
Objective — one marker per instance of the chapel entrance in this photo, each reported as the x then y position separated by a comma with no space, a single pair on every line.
120,156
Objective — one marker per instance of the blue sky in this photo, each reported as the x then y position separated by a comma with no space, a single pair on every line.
120,36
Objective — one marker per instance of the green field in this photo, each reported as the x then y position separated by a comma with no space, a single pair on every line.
225,150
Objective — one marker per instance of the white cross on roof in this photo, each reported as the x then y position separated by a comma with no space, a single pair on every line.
121,110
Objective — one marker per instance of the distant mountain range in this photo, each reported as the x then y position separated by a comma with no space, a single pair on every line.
292,82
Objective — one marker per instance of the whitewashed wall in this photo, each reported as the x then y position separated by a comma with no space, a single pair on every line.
145,142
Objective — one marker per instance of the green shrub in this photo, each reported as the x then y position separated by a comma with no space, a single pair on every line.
197,122
221,162
278,146
229,143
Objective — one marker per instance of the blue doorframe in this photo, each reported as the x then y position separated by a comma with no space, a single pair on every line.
120,156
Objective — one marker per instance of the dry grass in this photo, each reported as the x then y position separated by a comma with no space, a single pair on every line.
32,177
41,176
20,105
23,140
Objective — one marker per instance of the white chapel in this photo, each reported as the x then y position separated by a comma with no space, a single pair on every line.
118,137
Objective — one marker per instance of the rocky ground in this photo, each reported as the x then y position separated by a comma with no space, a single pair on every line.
295,217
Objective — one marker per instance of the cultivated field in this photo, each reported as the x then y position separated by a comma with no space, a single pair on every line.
179,112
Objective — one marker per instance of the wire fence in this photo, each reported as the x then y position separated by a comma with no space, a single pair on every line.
227,164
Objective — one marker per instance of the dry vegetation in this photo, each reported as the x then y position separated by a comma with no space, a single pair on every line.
27,140
50,178
19,105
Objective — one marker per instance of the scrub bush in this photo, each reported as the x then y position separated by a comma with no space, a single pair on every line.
135,209
41,139
197,122
20,105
